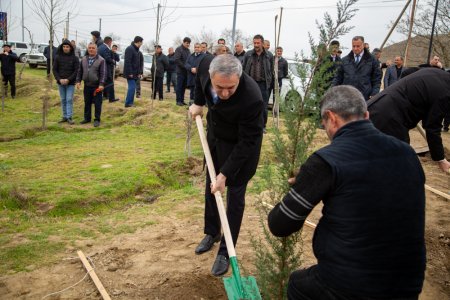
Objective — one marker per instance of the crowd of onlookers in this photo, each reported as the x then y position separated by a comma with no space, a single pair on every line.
359,68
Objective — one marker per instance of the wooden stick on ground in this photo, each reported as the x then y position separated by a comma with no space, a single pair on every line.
94,277
437,192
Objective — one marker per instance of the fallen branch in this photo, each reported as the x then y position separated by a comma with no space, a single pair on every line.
94,277
437,192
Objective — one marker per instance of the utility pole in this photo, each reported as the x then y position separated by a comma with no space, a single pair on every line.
100,26
157,23
67,26
23,26
234,25
432,31
411,23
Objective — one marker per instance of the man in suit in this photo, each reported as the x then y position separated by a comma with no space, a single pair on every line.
393,73
234,134
422,96
359,69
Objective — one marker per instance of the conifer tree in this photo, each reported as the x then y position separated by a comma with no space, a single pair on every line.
276,258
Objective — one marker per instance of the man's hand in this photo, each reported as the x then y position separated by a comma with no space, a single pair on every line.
444,165
100,88
130,76
78,85
193,70
196,110
219,186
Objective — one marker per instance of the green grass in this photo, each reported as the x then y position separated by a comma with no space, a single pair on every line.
70,183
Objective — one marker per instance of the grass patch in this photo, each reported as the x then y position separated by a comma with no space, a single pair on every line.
67,184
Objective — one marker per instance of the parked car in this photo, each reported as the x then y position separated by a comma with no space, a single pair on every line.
36,57
148,58
20,48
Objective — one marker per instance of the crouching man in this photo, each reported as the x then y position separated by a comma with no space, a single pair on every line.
369,243
93,72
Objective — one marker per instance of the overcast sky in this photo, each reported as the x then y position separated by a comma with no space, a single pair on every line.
371,21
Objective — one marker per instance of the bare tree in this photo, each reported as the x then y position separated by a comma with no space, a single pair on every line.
52,13
206,36
149,47
421,31
114,37
240,36
83,44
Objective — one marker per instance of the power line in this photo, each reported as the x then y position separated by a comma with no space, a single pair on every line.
181,7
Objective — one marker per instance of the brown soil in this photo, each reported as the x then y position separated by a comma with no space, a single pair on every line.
158,261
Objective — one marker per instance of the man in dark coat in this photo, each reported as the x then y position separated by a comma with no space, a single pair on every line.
359,69
93,72
258,64
394,72
65,70
234,134
47,56
369,243
239,51
132,68
104,50
96,38
191,67
162,63
181,55
171,77
8,60
422,96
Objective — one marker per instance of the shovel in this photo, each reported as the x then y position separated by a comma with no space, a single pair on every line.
237,287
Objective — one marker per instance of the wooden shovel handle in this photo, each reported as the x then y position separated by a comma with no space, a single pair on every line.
218,196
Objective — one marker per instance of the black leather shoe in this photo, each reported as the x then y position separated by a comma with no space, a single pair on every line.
114,100
96,123
85,122
207,243
220,266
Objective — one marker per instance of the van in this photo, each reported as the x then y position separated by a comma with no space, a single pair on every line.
19,48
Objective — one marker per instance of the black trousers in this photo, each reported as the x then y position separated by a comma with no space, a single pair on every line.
158,88
109,89
307,285
90,99
12,82
235,211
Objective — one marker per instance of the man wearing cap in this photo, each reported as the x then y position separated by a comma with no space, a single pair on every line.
161,63
8,59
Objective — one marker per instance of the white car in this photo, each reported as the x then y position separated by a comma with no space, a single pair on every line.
19,48
147,66
288,90
36,57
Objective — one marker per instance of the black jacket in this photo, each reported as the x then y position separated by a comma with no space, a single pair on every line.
181,56
65,66
234,126
282,68
162,63
172,65
240,56
47,52
422,96
267,63
365,76
107,54
132,64
8,63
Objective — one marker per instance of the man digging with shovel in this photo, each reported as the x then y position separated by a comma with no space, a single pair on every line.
234,135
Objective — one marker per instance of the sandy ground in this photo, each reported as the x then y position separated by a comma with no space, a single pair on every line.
158,262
